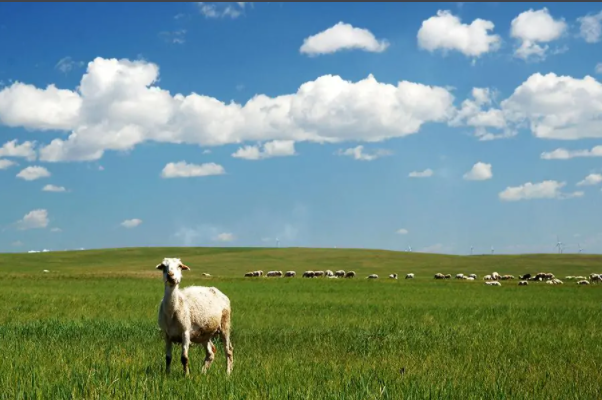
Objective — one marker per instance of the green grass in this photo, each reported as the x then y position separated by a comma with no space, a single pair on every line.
88,328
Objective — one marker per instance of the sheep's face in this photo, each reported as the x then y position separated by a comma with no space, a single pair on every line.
172,270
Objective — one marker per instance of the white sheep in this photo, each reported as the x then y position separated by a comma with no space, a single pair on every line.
495,276
340,273
493,283
474,276
393,276
469,278
46,271
372,276
487,278
290,274
410,276
523,283
583,282
194,314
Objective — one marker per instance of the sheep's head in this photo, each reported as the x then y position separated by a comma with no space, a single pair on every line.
172,270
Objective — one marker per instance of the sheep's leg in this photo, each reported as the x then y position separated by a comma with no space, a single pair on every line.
185,346
168,348
209,355
225,336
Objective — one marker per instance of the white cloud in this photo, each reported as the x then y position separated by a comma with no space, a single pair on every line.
358,153
32,173
131,223
56,230
116,108
224,237
34,219
543,190
276,148
557,107
53,188
66,64
479,172
4,164
342,36
473,113
220,10
598,68
532,28
591,27
446,32
402,231
182,169
12,149
591,180
421,174
26,106
564,154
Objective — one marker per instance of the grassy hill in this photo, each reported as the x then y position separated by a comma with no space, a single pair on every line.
234,261
88,329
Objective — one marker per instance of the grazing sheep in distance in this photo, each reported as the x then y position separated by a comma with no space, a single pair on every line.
487,278
495,276
274,273
474,276
328,273
469,278
340,273
290,274
309,274
459,276
410,276
372,276
524,277
206,274
523,283
194,314
493,283
45,271
318,273
350,274
393,276
439,275
595,278
447,276
583,282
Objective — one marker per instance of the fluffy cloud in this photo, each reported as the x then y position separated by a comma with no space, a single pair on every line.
479,114
182,169
590,27
53,188
446,32
358,153
402,231
342,36
34,219
532,28
56,230
275,148
598,68
131,223
479,172
4,164
564,154
221,10
32,173
12,149
421,174
224,237
591,180
116,107
543,190
557,107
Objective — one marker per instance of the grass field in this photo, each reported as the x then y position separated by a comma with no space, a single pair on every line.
88,328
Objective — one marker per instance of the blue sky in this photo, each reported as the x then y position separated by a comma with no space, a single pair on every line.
438,126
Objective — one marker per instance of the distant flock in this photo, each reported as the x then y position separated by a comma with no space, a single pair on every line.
491,280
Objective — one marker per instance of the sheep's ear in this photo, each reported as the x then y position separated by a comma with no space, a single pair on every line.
185,267
161,266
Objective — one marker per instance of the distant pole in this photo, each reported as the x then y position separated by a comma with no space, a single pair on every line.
277,242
